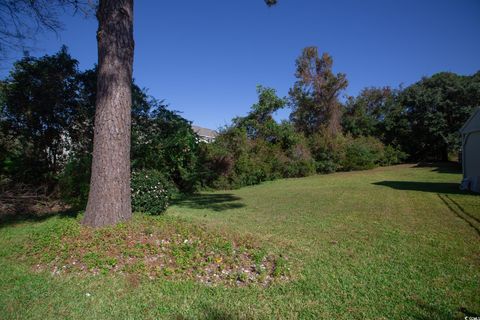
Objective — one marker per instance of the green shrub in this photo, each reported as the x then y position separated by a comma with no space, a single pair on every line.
363,153
299,161
328,151
300,168
343,152
74,181
235,159
151,191
163,140
393,156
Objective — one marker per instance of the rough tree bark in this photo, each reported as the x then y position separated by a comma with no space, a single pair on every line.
109,199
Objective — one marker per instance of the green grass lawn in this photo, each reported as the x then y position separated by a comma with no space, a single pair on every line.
391,243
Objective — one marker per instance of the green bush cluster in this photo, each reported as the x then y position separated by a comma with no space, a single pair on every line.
235,160
368,152
151,191
346,153
256,148
47,140
74,181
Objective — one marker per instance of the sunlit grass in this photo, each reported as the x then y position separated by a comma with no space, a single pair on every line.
391,243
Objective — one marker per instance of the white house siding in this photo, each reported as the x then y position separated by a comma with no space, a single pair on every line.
471,153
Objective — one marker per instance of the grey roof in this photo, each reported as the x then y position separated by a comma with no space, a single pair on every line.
204,132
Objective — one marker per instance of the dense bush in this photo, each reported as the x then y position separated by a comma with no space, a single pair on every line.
74,181
239,161
256,148
298,163
362,153
392,156
235,159
163,140
345,153
328,151
151,191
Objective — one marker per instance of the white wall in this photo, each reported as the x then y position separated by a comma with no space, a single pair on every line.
472,155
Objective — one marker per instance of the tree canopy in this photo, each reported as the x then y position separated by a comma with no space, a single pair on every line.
436,107
314,97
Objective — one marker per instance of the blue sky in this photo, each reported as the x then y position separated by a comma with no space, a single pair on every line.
205,58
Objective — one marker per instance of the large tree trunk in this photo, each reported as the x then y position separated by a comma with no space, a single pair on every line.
109,199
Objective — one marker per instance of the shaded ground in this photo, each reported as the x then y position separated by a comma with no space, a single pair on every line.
443,167
432,187
12,219
215,201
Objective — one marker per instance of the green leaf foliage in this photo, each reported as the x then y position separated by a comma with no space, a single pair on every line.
151,191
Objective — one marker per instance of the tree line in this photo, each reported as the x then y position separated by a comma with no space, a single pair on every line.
47,128
379,126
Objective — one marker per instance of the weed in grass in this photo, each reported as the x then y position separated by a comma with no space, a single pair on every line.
280,267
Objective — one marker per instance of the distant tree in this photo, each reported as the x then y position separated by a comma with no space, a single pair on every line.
436,108
40,105
81,131
259,123
378,112
365,113
10,147
395,128
314,97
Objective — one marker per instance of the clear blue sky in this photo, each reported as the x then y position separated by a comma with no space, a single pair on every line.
206,57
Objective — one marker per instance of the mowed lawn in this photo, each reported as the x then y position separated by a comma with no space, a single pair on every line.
398,242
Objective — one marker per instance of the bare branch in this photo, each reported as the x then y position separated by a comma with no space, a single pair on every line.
271,2
22,20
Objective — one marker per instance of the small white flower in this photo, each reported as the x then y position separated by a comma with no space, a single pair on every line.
88,294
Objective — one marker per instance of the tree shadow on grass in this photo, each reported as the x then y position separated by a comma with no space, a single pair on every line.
443,190
468,313
460,212
441,167
16,218
214,201
431,312
432,187
427,311
212,313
